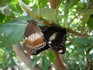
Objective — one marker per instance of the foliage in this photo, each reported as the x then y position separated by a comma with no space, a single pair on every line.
76,15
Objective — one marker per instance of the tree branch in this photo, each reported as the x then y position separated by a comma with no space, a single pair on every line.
21,54
44,21
76,33
59,63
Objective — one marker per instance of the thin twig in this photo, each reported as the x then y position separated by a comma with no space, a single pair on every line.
76,33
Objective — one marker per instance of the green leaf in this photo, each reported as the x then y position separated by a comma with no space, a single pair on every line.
35,60
51,56
83,41
3,2
66,10
86,16
90,22
90,56
12,32
14,2
2,17
43,3
80,49
69,4
72,3
45,63
47,13
27,1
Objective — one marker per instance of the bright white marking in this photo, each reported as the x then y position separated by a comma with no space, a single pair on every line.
2,34
49,42
34,36
26,38
52,37
60,51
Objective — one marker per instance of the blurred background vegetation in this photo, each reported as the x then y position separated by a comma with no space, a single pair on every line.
74,14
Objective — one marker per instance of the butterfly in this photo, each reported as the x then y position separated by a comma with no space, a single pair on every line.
40,38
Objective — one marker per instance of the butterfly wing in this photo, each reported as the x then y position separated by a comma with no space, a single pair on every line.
57,42
55,37
33,37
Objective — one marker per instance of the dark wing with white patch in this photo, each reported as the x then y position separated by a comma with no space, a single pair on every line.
55,38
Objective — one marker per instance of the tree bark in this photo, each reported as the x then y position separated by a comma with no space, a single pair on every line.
59,63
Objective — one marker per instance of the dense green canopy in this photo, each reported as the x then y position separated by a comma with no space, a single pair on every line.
74,15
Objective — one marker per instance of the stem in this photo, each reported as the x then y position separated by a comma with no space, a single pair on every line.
59,63
56,10
76,33
65,21
39,8
66,11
